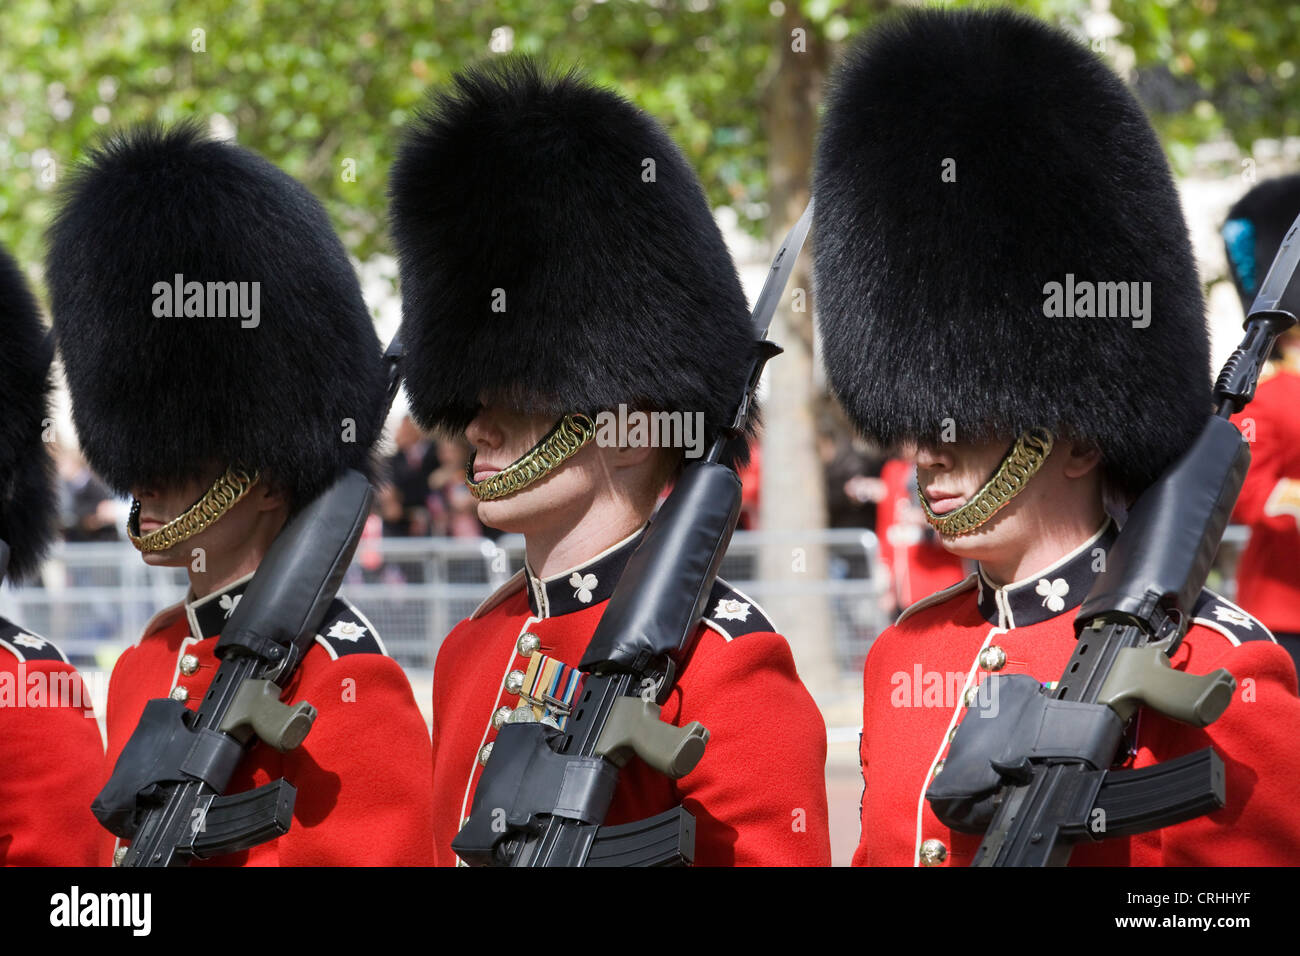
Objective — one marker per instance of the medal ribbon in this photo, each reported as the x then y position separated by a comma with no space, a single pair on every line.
550,685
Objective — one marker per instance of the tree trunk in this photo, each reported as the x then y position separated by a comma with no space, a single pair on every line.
793,499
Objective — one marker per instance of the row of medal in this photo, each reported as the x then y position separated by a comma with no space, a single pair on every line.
547,693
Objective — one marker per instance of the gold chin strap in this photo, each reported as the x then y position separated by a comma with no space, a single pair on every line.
560,444
216,501
1018,466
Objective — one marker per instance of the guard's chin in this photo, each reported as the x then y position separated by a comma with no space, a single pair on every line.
503,514
981,544
173,557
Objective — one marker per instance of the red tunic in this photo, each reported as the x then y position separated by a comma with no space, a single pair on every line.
759,793
917,564
1268,577
363,772
48,739
919,670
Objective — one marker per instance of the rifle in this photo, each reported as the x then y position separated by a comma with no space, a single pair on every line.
544,793
1040,770
167,791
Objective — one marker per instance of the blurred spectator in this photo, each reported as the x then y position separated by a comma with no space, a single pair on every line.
88,512
910,550
853,487
751,482
404,500
369,564
453,511
88,509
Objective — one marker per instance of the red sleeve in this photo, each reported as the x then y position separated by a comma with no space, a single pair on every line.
118,724
50,753
1257,739
1268,450
364,774
440,857
893,473
759,793
860,854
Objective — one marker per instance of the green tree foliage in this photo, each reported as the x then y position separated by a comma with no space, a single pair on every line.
1216,67
313,85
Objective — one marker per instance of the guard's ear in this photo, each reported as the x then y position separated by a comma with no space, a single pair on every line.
1082,457
630,456
268,495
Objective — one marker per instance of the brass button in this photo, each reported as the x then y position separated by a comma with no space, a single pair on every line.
485,754
179,693
528,644
500,717
189,664
933,853
119,855
938,768
968,699
993,658
514,682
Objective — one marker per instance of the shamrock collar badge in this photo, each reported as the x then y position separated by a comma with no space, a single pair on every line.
1053,593
582,585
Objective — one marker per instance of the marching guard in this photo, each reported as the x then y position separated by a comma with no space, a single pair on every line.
1268,574
1005,281
224,370
559,261
48,732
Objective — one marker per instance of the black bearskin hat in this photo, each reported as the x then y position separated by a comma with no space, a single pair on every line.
557,254
1256,225
27,504
158,224
967,161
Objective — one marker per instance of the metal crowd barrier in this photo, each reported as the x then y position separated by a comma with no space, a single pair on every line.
95,599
